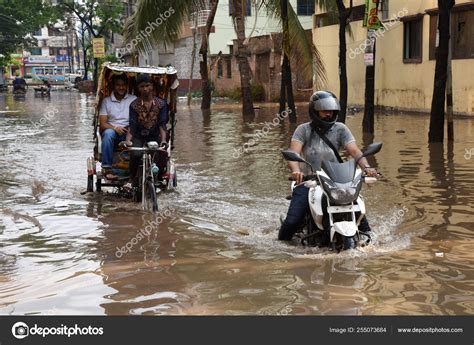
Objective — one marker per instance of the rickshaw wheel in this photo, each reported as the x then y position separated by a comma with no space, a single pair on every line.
151,195
90,183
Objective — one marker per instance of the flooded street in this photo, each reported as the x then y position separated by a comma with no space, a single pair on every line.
215,250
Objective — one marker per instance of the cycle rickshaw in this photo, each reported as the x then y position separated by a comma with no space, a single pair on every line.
157,169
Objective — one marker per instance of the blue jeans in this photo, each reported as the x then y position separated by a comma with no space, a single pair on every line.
109,139
299,208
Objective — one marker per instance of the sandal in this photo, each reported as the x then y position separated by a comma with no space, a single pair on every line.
108,174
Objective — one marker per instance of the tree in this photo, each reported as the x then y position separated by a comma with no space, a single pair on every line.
18,20
168,31
98,18
203,65
286,78
344,14
242,57
436,132
297,46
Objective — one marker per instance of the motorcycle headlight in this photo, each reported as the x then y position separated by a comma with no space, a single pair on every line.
342,193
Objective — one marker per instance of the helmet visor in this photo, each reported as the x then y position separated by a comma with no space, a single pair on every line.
328,103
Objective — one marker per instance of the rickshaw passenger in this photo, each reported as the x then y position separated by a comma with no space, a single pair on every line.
148,119
114,120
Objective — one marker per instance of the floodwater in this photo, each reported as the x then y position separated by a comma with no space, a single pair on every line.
215,251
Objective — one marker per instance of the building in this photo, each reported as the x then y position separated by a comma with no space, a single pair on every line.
221,42
265,62
54,56
405,54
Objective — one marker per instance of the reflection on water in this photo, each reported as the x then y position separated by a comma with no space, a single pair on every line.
216,252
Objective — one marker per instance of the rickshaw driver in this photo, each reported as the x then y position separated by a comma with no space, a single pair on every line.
148,119
114,120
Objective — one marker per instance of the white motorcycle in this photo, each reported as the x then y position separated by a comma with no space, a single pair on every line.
336,205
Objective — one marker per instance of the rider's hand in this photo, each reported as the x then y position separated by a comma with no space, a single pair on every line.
125,144
371,172
164,145
120,130
297,176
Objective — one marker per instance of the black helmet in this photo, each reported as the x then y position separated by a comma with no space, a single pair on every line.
323,100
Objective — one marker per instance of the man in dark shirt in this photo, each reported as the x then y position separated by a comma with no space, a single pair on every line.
148,119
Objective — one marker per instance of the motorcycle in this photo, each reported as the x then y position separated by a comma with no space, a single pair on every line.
336,205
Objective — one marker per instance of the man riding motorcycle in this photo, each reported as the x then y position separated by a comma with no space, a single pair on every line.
307,141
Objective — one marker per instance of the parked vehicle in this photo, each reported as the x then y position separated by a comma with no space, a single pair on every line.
71,80
153,177
335,202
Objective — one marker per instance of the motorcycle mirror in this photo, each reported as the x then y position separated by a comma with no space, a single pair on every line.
292,156
370,150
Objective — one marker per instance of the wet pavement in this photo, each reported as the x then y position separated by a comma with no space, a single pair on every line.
215,249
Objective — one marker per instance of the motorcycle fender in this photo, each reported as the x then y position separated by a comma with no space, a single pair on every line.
315,198
347,229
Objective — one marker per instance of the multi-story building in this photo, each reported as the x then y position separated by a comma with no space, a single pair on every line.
405,54
54,56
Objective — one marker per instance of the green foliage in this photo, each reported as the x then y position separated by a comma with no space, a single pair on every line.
235,94
100,17
258,92
165,18
20,18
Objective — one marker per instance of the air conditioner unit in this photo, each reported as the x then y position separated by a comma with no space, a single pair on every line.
199,18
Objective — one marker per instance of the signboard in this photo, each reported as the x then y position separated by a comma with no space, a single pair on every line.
41,59
371,19
62,58
98,45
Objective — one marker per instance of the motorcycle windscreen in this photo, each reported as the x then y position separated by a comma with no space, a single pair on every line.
339,172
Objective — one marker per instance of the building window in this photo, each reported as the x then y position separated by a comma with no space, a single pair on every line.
248,8
37,32
35,51
384,9
412,40
219,69
305,7
331,18
229,68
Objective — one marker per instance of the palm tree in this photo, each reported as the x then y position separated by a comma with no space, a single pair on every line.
344,14
297,48
169,30
203,65
242,54
436,133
